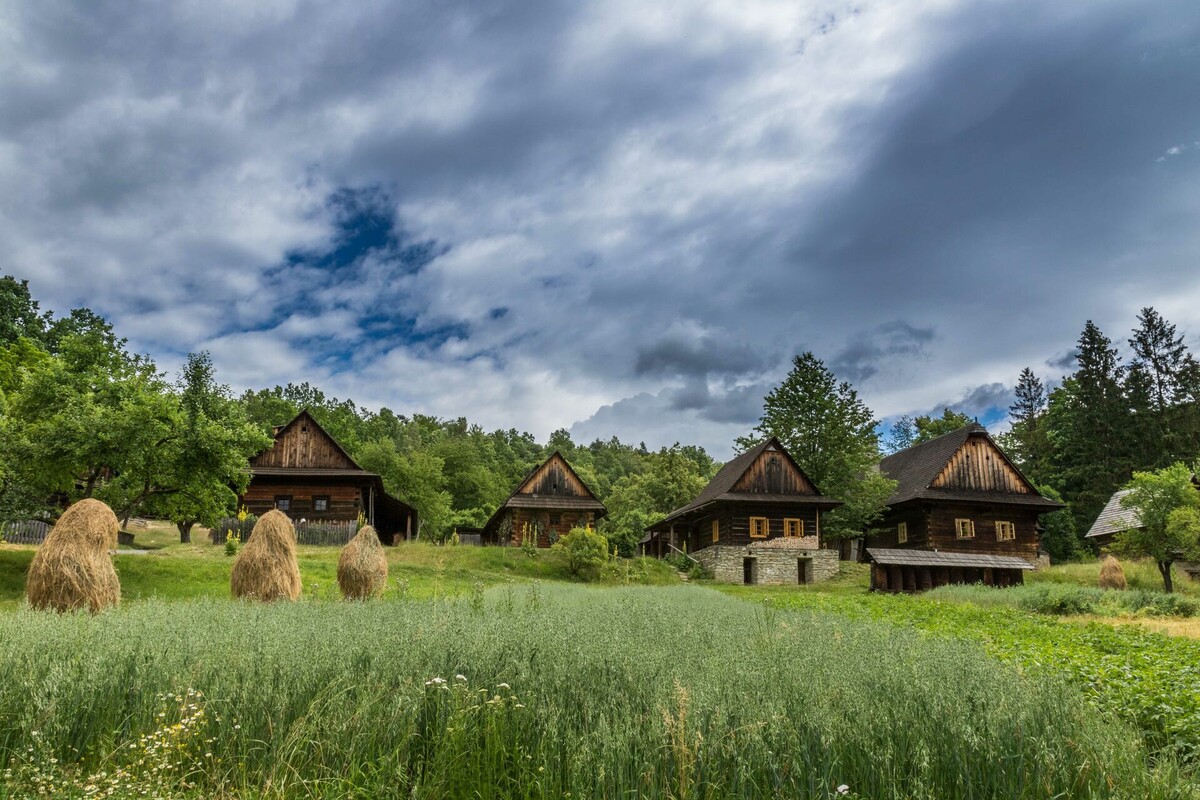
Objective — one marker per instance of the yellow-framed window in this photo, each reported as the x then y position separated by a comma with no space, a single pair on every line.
716,531
760,527
902,533
793,528
1005,531
964,528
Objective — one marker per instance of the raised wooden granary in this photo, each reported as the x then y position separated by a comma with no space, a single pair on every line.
957,494
757,521
306,474
548,503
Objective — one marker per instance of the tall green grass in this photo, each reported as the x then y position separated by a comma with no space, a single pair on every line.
1067,599
540,692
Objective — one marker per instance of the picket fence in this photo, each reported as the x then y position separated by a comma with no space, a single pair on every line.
328,534
30,531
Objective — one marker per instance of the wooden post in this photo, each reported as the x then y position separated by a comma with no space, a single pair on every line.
926,579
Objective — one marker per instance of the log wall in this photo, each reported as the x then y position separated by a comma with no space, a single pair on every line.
303,444
979,466
773,473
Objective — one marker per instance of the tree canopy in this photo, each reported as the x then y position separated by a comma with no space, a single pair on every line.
1165,501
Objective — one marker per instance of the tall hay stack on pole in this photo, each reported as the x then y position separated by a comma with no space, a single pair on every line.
362,569
72,569
266,568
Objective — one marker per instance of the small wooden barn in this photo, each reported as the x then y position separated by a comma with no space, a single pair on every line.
957,495
549,502
306,474
744,524
1113,518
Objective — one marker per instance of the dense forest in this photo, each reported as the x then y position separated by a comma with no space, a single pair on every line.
82,416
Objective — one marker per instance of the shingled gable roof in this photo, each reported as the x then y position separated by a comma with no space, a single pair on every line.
916,467
721,486
1115,517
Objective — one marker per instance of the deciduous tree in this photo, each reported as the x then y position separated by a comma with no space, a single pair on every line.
1163,534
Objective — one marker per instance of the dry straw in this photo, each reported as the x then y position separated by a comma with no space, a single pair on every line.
266,568
362,569
72,569
1112,575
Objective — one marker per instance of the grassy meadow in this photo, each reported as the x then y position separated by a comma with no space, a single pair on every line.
165,569
484,672
541,691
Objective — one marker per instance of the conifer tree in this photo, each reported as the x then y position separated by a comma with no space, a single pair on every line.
1026,440
1089,428
1158,386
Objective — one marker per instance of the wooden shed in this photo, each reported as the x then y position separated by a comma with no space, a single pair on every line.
960,493
549,502
306,474
920,570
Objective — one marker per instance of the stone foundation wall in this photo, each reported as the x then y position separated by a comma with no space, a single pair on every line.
772,566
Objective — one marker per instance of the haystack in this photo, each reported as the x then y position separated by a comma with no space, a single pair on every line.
1112,575
266,568
72,569
362,569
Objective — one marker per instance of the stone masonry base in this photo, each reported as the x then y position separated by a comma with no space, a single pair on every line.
768,566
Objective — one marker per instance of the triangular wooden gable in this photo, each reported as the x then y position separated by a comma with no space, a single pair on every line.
555,478
980,465
774,471
304,444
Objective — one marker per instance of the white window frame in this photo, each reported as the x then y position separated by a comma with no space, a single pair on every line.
902,533
959,525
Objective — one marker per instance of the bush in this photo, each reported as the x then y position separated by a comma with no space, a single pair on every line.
584,551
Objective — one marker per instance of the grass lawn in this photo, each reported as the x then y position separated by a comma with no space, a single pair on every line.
163,568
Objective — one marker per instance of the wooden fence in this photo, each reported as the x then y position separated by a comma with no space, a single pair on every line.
30,531
329,534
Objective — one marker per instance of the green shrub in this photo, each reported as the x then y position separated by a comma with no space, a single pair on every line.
584,552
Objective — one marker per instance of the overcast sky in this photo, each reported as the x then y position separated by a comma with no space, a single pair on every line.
621,218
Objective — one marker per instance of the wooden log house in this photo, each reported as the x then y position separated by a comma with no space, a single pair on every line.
759,506
547,504
963,504
306,474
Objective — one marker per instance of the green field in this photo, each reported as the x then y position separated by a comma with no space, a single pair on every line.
656,691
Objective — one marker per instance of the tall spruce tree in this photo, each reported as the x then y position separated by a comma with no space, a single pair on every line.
1161,372
1026,440
831,434
1088,428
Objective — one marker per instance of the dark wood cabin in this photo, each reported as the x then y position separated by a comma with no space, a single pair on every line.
551,501
760,495
306,474
959,494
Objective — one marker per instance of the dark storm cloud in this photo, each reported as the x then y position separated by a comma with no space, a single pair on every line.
861,358
698,354
1064,362
1017,163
